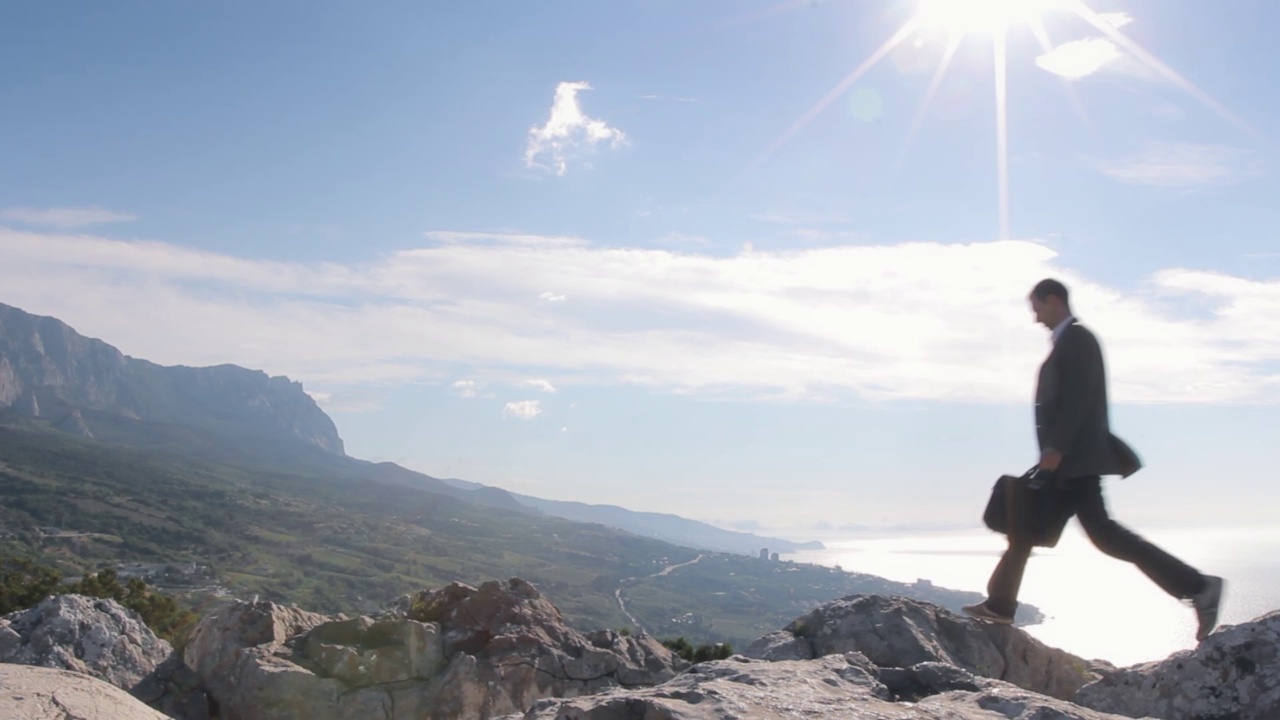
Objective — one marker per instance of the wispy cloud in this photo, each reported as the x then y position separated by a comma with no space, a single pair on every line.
568,131
543,385
552,297
1184,165
1079,58
468,388
64,218
523,410
921,320
1116,20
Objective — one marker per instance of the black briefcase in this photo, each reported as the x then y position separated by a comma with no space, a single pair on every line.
1029,509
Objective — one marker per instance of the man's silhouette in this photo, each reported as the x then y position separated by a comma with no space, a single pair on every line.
1077,449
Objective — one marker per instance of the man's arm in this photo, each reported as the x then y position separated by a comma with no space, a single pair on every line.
1079,378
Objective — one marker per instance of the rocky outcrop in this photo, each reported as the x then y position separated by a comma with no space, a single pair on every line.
896,632
1234,673
102,639
473,653
73,424
87,635
39,693
847,685
48,369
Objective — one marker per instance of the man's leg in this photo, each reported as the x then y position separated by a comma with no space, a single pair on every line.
1172,575
1002,588
1006,580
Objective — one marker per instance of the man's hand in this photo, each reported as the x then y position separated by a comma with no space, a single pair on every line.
1050,459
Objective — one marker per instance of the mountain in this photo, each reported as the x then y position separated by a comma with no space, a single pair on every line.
49,370
229,414
665,526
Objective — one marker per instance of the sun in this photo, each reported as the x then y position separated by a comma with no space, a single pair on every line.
961,17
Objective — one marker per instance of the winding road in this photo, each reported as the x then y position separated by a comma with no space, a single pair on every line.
622,604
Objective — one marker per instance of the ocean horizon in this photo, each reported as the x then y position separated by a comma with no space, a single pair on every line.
1095,606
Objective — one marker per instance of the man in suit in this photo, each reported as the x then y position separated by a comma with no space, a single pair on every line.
1076,449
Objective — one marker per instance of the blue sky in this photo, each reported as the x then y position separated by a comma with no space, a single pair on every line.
627,253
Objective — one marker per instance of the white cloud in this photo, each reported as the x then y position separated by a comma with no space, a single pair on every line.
917,320
64,218
1079,58
543,385
568,131
468,388
1116,20
552,297
523,410
321,398
1184,165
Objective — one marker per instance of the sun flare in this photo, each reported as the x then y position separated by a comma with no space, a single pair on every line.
982,16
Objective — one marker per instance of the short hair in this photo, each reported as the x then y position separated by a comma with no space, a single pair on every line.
1049,286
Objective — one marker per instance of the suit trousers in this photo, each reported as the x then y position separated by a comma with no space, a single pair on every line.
1083,496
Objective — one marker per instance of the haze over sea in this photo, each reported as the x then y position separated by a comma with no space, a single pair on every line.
1095,606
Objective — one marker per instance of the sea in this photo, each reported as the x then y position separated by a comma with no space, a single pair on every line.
1096,607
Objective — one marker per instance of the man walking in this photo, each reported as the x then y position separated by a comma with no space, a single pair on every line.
1077,449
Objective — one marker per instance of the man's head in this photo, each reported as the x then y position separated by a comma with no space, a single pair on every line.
1049,302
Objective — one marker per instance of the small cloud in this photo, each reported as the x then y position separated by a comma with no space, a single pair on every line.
468,388
552,297
542,385
1080,58
564,429
1116,20
523,410
568,130
65,218
1184,165
321,398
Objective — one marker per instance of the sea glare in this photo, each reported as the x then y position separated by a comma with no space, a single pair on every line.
1095,606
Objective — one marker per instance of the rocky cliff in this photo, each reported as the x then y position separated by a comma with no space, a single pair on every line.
49,370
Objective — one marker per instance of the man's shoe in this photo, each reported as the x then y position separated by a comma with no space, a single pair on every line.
1206,604
986,614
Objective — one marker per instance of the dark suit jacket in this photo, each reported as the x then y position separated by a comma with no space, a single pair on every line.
1071,409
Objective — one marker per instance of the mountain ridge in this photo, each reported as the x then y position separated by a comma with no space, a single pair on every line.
227,413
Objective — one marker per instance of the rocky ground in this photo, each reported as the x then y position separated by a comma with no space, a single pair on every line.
503,651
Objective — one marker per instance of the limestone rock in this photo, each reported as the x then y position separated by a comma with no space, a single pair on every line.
482,652
94,636
217,649
38,693
836,686
896,632
1234,673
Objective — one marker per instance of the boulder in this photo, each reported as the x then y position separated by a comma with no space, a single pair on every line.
1234,673
844,685
40,693
897,632
468,652
94,636
103,639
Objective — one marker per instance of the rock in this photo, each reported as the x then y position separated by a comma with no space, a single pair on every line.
836,686
39,693
476,653
94,636
73,424
896,632
1234,673
217,648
